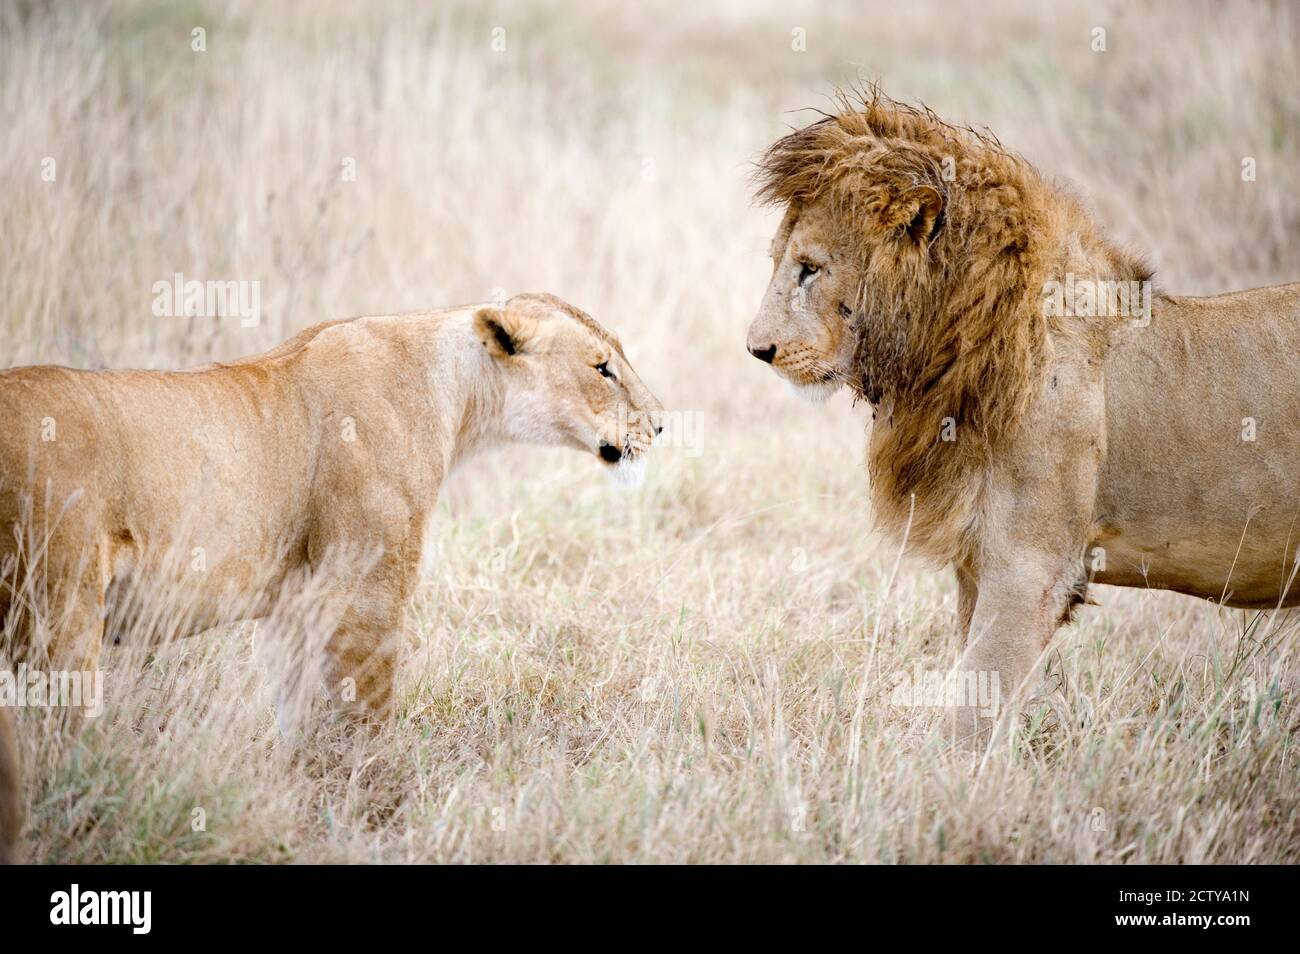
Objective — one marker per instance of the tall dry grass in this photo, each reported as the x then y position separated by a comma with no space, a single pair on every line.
699,672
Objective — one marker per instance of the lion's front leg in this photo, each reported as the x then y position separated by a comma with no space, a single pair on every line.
1027,560
1017,611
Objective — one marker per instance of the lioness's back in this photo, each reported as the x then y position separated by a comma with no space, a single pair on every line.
133,470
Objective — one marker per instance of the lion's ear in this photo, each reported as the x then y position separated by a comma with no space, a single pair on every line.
920,211
502,332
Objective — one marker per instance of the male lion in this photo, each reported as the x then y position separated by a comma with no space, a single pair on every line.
222,486
1041,419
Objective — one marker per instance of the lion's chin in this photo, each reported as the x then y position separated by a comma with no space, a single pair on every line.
815,392
628,471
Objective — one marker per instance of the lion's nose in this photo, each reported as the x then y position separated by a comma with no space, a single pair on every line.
609,452
763,354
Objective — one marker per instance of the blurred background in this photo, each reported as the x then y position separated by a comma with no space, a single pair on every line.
379,157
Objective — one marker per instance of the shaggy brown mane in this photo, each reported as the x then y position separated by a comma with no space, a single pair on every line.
951,327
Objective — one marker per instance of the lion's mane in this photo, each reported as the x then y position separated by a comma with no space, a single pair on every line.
952,337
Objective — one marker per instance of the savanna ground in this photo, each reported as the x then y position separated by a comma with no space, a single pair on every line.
698,672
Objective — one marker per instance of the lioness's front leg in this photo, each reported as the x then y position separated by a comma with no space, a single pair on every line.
11,806
363,652
364,588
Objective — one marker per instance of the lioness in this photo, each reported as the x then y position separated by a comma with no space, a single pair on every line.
1042,418
11,818
210,483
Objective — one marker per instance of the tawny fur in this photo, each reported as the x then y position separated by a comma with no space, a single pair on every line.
11,817
219,488
1032,448
953,326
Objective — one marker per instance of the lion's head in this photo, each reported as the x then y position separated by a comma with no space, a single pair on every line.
895,223
909,266
568,383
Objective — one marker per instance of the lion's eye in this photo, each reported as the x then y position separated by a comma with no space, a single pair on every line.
603,368
845,311
807,271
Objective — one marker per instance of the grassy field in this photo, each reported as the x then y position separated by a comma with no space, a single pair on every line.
699,671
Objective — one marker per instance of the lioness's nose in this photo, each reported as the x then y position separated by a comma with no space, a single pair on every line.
763,354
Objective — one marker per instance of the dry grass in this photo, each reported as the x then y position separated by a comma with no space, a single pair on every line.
698,672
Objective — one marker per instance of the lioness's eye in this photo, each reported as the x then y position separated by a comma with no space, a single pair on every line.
603,368
807,271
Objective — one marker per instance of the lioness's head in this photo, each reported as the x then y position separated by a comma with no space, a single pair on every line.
568,383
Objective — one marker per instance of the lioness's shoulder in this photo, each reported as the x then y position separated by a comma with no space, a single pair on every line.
361,333
290,347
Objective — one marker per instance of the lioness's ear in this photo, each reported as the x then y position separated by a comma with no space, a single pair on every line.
502,333
920,210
